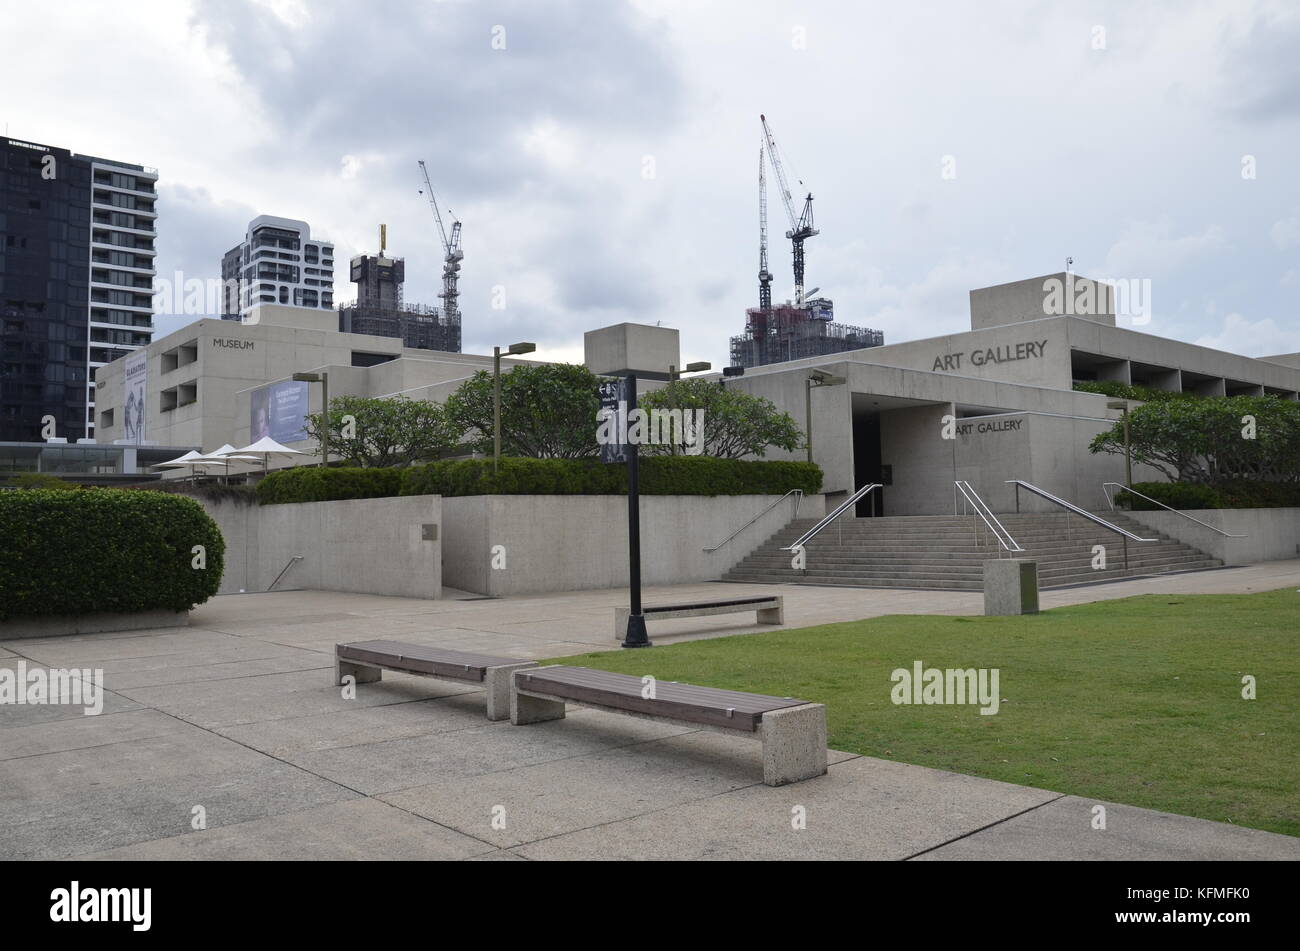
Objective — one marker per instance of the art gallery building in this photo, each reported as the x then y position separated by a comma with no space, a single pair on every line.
987,405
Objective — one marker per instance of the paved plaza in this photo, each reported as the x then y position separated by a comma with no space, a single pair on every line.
236,714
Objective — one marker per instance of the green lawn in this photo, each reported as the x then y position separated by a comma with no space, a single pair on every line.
1135,701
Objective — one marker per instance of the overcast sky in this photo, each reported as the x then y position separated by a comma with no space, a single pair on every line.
604,163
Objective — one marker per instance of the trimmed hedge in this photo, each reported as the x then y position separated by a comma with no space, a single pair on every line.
313,484
660,475
1224,495
104,550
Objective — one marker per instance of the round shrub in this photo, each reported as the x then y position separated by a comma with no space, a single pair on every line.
104,550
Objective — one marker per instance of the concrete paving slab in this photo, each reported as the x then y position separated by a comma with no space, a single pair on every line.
862,808
353,830
1062,831
276,696
80,733
387,767
65,821
163,674
295,735
13,715
535,802
184,751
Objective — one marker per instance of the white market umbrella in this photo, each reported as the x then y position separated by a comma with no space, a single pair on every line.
224,457
266,447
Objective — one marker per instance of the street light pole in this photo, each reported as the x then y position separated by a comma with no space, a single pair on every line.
324,380
816,378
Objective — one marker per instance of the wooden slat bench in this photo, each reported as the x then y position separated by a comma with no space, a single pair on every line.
367,660
793,731
771,610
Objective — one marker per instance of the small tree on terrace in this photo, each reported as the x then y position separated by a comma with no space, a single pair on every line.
736,423
548,411
386,431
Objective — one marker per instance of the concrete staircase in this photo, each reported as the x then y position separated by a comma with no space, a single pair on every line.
947,552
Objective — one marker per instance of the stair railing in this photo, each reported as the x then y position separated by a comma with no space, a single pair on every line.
839,510
1124,534
1105,488
798,497
980,508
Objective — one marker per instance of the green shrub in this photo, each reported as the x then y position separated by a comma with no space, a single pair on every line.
313,484
104,550
660,475
1235,494
41,480
1123,391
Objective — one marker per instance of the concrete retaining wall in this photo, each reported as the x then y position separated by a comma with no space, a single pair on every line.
1273,534
371,546
568,542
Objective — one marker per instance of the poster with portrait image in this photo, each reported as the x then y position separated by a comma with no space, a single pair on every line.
279,410
135,373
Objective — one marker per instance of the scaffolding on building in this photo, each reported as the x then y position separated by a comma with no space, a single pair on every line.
419,327
786,332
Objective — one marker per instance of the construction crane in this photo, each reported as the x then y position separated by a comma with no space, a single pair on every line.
764,275
451,247
801,228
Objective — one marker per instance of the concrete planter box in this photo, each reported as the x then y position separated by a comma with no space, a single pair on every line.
571,542
1273,534
56,625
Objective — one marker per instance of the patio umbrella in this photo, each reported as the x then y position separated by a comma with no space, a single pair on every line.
191,459
267,447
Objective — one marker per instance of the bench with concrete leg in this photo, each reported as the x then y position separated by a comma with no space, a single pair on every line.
367,660
770,609
793,731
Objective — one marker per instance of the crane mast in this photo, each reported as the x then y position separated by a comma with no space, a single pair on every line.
452,252
764,275
801,228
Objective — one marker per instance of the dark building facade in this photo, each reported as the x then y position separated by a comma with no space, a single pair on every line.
379,309
44,291
76,282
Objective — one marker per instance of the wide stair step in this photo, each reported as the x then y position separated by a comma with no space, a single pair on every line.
945,552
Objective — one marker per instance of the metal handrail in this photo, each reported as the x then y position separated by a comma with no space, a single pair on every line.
1126,488
292,561
798,497
1020,483
839,510
981,508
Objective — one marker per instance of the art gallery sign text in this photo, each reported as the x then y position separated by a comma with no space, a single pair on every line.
1006,353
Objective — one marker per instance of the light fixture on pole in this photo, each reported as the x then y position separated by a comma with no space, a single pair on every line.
514,350
675,374
324,380
816,378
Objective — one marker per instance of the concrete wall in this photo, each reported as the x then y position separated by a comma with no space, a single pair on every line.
561,543
1273,534
372,546
1046,296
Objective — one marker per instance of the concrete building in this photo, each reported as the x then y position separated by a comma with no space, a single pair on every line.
76,281
381,311
987,405
278,262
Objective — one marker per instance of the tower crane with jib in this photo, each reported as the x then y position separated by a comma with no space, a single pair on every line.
801,228
453,253
764,275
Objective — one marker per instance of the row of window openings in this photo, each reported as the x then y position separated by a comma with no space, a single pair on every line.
121,259
122,240
121,278
117,180
121,298
118,219
118,200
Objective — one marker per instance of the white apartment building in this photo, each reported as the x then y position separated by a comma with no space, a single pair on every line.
123,228
278,262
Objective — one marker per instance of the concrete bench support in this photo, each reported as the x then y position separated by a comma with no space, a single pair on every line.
1010,586
794,744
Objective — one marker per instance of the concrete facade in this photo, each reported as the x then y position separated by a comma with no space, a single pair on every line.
551,543
1267,534
373,546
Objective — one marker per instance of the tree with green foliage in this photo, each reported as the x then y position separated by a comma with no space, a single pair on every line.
548,411
1212,440
736,423
386,431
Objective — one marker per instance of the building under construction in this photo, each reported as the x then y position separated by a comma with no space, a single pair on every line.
803,327
380,311
787,332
